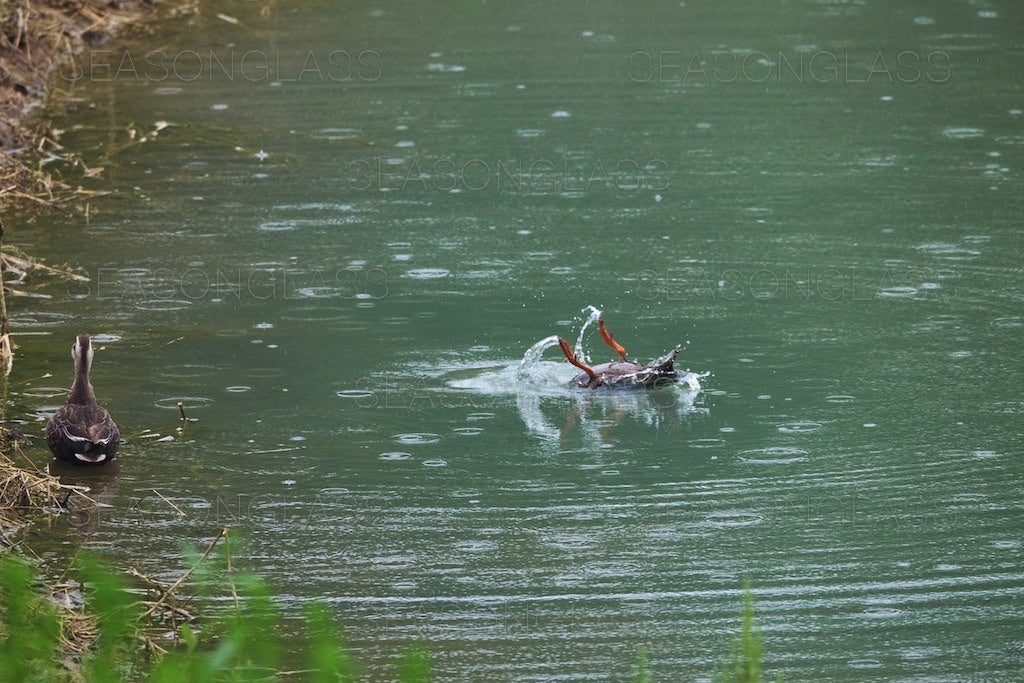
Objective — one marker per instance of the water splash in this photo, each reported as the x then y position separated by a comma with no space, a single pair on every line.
533,354
593,317
540,389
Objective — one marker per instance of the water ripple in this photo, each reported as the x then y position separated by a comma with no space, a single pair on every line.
394,455
774,455
417,438
188,402
427,273
963,133
804,426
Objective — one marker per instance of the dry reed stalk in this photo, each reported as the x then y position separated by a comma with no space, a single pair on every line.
170,591
37,39
6,349
25,490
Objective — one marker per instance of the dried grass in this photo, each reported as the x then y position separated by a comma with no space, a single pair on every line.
37,38
26,490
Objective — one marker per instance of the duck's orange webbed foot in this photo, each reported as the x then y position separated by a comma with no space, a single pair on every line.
571,357
610,340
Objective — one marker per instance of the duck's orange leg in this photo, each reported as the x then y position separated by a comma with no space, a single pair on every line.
571,357
610,340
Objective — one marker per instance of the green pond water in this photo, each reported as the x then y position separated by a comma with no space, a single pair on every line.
354,221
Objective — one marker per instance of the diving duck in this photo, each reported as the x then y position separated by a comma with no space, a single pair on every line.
622,373
81,432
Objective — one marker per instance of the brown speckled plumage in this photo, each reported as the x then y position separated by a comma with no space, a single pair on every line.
81,432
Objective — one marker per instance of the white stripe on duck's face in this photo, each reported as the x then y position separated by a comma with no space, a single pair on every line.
91,459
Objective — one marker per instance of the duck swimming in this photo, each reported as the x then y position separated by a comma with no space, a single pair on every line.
621,373
81,432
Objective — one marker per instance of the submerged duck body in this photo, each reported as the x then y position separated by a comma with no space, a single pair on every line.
623,373
81,432
630,374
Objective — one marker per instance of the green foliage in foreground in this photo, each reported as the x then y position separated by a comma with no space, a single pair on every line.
744,665
643,674
243,645
29,627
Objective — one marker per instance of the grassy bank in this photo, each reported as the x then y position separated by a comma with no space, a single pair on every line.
37,39
25,491
100,624
246,643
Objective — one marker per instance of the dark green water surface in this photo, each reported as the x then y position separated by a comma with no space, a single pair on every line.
354,221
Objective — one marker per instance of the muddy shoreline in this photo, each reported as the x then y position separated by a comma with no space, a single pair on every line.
39,38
